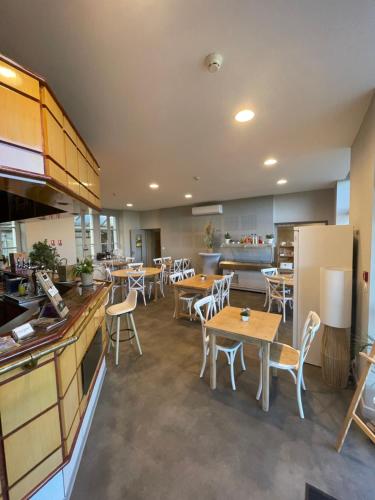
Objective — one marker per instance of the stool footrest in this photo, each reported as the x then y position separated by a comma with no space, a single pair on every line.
131,337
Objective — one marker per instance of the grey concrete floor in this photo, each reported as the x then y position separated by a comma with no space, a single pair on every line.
159,432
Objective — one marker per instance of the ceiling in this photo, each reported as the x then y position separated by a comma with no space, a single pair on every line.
131,76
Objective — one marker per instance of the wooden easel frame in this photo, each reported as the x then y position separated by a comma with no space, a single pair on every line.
351,415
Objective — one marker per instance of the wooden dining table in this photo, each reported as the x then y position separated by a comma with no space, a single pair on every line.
199,283
261,328
286,278
148,272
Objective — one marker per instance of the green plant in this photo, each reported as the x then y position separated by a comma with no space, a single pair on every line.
44,255
227,236
245,312
84,267
209,235
270,236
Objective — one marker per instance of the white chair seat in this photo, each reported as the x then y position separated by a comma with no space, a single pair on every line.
124,307
283,355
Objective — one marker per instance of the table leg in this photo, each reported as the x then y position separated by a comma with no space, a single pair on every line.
156,288
265,375
212,361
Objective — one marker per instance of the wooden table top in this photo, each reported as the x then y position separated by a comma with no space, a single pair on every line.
146,271
288,279
261,325
197,282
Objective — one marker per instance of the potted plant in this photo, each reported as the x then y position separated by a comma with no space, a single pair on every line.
269,239
227,238
44,256
245,314
209,236
85,269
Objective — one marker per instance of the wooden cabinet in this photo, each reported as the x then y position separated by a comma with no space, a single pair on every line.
71,156
18,80
53,138
20,120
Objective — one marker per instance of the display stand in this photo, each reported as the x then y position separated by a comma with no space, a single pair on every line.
352,415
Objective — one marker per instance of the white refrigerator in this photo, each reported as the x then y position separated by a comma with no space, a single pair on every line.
316,247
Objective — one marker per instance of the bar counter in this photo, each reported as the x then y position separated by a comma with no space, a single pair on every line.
46,405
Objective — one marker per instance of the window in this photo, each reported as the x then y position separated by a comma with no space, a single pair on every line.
84,236
108,233
8,238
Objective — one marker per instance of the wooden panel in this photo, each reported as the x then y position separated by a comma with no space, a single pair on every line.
71,157
91,178
17,371
56,172
83,192
80,385
81,146
54,138
52,105
72,434
36,476
69,129
19,80
82,167
81,346
69,407
66,368
91,328
24,397
73,185
20,120
31,444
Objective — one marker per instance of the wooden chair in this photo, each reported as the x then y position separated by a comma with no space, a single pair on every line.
136,281
268,271
217,293
188,298
135,266
225,293
285,357
205,309
116,285
174,278
159,282
278,292
177,266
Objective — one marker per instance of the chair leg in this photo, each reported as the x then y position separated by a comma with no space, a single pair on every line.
260,386
242,359
303,382
190,303
293,375
299,398
109,336
129,327
232,371
144,296
149,291
269,304
117,339
135,333
265,301
204,360
284,310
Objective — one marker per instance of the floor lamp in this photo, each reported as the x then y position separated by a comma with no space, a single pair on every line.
336,315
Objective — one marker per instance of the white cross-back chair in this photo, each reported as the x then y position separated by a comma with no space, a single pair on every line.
217,293
177,266
159,282
187,298
268,271
116,285
205,309
186,264
129,260
168,265
279,293
285,357
225,292
174,278
135,265
136,281
157,261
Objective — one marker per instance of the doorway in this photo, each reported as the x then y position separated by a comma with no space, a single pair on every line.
145,245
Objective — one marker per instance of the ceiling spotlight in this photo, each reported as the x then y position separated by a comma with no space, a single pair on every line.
269,162
188,195
244,116
282,181
154,185
129,204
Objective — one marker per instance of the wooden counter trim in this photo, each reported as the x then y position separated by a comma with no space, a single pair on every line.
3,470
2,438
24,94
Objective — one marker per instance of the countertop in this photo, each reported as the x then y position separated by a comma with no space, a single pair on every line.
77,300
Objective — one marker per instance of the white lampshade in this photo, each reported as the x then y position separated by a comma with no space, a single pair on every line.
336,296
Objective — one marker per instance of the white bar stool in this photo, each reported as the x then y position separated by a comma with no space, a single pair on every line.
118,311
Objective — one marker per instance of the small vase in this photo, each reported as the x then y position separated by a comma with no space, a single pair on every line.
227,241
244,318
87,279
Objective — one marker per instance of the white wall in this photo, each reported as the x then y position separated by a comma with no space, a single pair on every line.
128,220
362,216
307,206
342,202
54,227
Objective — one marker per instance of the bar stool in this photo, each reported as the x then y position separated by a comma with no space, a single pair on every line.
118,311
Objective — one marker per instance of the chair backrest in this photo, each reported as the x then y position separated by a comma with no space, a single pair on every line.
135,265
177,266
205,309
217,291
129,259
276,288
167,259
136,281
174,277
188,273
131,299
227,281
162,271
186,264
108,274
269,271
310,329
157,261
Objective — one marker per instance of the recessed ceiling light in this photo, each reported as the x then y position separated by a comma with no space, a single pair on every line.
269,162
8,73
154,186
129,204
282,181
245,115
188,195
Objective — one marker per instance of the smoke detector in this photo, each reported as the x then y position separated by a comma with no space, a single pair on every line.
214,62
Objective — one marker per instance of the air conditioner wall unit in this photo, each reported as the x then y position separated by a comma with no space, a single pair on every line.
207,210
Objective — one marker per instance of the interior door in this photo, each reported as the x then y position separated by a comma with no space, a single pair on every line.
138,244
